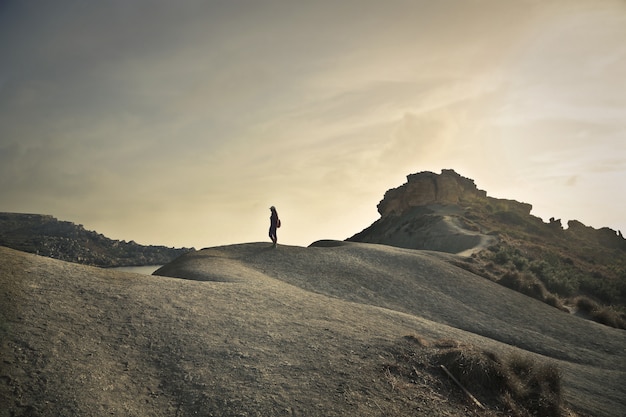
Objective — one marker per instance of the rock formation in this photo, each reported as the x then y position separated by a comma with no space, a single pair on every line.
427,188
447,212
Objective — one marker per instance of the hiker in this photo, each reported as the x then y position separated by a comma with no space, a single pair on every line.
274,224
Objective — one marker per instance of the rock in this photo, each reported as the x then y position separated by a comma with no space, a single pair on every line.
604,236
427,188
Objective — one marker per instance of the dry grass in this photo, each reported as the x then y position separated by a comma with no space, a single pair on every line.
510,384
599,313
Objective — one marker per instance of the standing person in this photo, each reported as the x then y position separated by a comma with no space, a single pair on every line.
274,224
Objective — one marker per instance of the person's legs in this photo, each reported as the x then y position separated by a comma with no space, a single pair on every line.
273,235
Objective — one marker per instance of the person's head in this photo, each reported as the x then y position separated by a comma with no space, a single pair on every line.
273,209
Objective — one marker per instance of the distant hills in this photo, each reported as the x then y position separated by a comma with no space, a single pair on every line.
578,268
45,235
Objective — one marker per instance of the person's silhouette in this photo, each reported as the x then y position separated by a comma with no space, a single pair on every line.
274,224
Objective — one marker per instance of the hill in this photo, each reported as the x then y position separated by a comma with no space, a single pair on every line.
331,330
580,268
45,235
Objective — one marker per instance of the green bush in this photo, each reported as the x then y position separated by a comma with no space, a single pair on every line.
608,317
501,257
560,282
526,283
609,291
519,262
539,268
586,304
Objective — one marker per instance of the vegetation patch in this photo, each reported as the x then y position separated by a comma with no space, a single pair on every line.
558,275
525,283
602,314
491,384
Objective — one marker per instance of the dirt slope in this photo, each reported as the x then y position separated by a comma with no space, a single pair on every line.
259,332
423,284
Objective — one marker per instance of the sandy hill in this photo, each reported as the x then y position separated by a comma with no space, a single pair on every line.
245,330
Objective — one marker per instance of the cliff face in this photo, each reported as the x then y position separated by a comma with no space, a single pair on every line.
45,235
428,188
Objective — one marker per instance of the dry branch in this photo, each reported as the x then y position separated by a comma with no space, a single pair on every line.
469,394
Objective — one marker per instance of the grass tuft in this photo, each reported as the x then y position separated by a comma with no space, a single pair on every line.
519,383
601,314
513,384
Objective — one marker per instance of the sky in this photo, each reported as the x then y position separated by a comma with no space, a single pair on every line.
181,123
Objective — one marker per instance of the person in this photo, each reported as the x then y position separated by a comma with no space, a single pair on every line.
274,224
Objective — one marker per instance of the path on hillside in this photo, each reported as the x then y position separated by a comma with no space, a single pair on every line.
457,228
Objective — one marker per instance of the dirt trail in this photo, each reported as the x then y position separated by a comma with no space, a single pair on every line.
456,233
479,240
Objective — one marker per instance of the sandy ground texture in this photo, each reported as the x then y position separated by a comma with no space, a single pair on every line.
247,330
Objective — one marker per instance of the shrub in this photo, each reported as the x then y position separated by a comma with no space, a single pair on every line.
525,283
417,340
586,304
514,384
560,282
472,367
606,290
501,257
539,268
519,262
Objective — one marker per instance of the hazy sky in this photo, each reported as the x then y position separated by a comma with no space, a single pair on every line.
180,123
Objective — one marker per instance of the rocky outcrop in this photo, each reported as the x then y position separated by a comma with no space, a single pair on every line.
46,236
427,212
427,188
447,212
604,236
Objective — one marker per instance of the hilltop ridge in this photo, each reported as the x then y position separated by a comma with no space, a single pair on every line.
47,236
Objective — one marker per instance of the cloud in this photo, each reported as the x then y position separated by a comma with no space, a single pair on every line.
119,112
571,181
